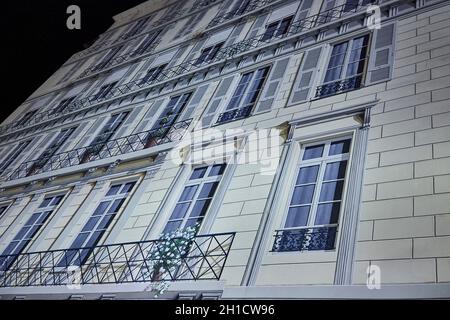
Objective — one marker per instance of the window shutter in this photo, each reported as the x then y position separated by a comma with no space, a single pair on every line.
223,89
70,143
304,9
152,110
271,87
382,54
195,101
25,154
258,26
306,75
234,35
177,57
127,127
198,46
42,146
97,125
143,70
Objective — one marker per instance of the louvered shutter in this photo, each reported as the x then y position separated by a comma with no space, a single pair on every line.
304,9
381,55
88,137
272,85
258,26
74,137
152,110
211,111
25,154
192,23
127,126
195,101
196,49
235,34
306,76
143,70
175,60
42,146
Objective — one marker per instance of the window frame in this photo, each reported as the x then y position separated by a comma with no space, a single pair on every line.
276,31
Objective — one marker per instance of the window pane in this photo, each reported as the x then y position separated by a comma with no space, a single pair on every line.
192,222
79,241
105,222
91,223
101,208
297,217
200,208
22,232
34,229
198,173
188,193
303,195
34,217
127,187
339,147
217,169
335,170
93,239
327,213
46,202
307,175
43,217
56,200
180,210
116,205
208,190
331,191
113,190
172,226
313,152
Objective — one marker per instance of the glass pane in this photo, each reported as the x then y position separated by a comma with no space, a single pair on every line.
208,190
116,205
56,200
94,239
307,175
113,190
101,208
79,241
10,248
34,217
339,147
313,152
188,193
217,169
127,187
172,226
200,208
91,223
43,217
198,173
335,170
303,195
297,217
327,213
180,210
32,232
331,191
105,222
46,202
22,232
192,222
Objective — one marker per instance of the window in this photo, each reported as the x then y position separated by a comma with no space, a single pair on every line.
137,28
196,198
352,5
167,118
62,105
94,149
26,118
245,96
107,58
316,199
152,74
277,29
29,230
104,91
146,44
59,140
240,7
17,150
346,67
97,224
3,209
208,54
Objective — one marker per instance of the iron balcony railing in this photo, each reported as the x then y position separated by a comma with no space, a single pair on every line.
339,86
203,258
305,239
111,148
224,54
235,114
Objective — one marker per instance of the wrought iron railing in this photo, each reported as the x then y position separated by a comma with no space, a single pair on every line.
339,86
132,143
224,54
222,17
235,114
305,239
203,259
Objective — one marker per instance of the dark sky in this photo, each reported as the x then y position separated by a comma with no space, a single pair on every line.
36,41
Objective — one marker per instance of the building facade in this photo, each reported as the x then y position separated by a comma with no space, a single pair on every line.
237,149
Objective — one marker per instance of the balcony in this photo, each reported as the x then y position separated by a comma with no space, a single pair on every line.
223,55
132,143
305,239
202,258
235,114
339,86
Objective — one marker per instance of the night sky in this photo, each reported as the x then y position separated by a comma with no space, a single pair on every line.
36,41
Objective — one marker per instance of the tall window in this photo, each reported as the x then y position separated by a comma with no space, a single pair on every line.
137,28
315,203
26,118
17,150
239,7
196,198
29,230
94,149
352,5
153,74
208,54
104,91
97,224
147,43
62,105
3,209
44,158
346,67
167,118
277,29
245,96
107,58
